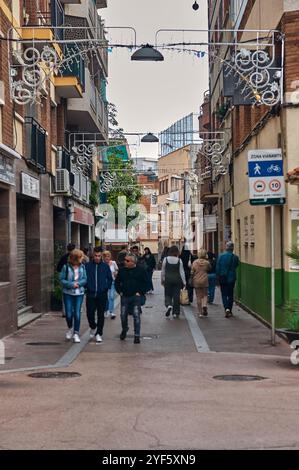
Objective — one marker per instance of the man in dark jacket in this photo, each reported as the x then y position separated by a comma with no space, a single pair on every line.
131,284
99,281
226,268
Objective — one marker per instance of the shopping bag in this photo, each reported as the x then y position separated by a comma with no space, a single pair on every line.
184,298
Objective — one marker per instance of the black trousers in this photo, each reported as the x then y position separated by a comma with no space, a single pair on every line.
93,305
172,296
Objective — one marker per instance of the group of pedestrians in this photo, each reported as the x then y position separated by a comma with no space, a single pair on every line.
99,279
200,273
131,277
94,278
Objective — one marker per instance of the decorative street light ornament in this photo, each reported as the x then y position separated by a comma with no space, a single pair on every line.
256,76
253,69
214,148
110,182
252,75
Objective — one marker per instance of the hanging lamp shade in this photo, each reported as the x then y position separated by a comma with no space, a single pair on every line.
147,53
150,139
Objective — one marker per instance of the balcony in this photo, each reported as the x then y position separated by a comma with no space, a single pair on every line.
90,112
71,83
35,136
86,15
63,159
49,25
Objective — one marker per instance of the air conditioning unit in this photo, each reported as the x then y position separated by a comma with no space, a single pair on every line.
62,181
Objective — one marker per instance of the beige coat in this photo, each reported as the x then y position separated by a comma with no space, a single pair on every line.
199,273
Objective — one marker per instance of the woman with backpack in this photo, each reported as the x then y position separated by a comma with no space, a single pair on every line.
73,279
200,281
173,279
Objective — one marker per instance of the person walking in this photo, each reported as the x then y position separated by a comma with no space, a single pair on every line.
150,266
200,281
121,257
163,255
173,279
130,284
187,260
140,259
64,258
73,279
111,292
86,255
99,281
212,277
226,268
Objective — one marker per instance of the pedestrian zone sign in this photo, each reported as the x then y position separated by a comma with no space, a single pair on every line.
266,180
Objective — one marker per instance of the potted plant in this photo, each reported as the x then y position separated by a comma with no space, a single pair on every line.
56,295
291,308
291,330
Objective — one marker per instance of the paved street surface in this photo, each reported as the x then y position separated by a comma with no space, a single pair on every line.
160,394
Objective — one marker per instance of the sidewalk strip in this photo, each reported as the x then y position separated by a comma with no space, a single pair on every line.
74,351
198,337
67,358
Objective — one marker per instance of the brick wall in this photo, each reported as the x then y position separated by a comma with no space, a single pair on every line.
290,26
7,121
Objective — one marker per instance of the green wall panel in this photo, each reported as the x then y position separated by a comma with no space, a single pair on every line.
254,290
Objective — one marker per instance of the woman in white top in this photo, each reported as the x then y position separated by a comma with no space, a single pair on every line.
111,293
173,279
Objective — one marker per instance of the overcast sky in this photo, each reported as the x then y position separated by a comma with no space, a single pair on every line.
152,96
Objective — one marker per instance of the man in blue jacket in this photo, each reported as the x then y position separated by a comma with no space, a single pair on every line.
99,280
226,272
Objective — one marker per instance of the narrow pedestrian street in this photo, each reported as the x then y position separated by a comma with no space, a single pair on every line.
160,394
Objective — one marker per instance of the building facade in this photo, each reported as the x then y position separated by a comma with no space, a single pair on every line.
178,201
257,127
45,181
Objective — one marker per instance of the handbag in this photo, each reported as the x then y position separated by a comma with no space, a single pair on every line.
184,298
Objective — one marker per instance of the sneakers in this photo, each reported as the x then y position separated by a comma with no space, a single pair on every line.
69,334
112,316
168,311
106,314
99,339
76,338
228,313
205,311
200,315
175,315
92,333
136,339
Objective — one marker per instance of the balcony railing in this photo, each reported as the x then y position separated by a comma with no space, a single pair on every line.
63,159
74,67
35,143
54,18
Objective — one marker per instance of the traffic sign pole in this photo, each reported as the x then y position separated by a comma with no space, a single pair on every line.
273,275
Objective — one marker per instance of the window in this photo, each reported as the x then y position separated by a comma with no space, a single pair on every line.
154,226
35,143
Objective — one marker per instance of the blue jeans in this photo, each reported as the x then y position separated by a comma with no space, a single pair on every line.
111,297
72,305
130,305
227,292
212,287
